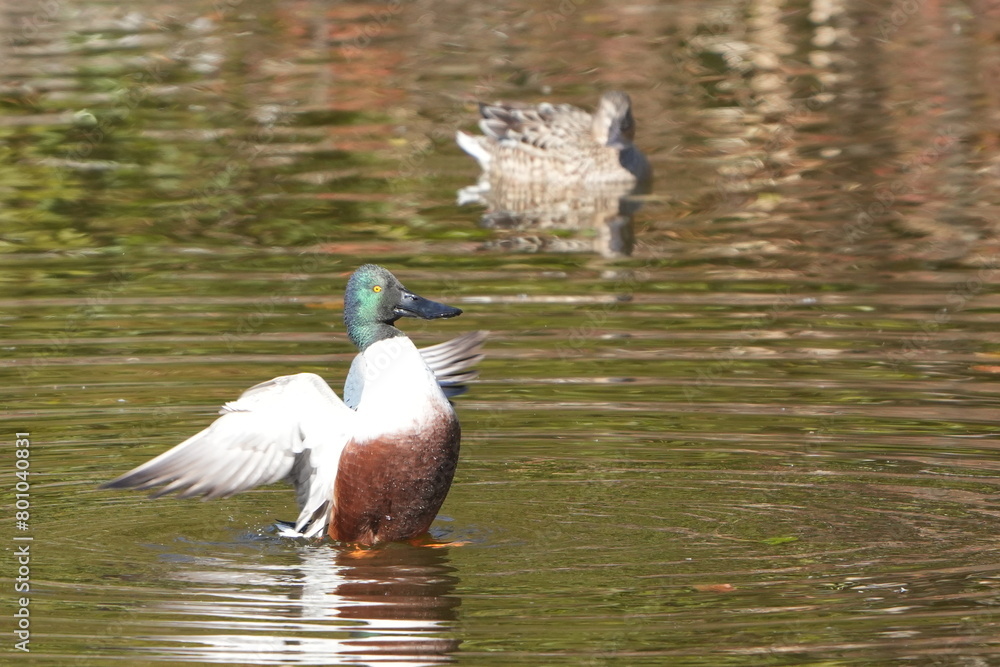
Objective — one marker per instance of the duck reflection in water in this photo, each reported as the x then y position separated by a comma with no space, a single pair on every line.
386,606
548,169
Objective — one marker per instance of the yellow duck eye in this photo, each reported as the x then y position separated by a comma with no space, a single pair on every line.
377,288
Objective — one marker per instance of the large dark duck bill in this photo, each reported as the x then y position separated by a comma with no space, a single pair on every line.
411,305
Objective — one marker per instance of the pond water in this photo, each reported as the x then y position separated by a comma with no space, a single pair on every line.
745,418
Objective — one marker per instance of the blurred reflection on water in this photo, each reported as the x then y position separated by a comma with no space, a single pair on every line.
394,605
530,217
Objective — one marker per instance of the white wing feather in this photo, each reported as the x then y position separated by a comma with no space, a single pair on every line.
292,427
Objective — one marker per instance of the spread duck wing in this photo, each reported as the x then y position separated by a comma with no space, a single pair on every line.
292,427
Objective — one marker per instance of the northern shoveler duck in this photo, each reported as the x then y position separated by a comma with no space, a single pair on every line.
372,468
559,143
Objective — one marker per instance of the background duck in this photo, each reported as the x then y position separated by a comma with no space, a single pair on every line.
559,143
373,467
